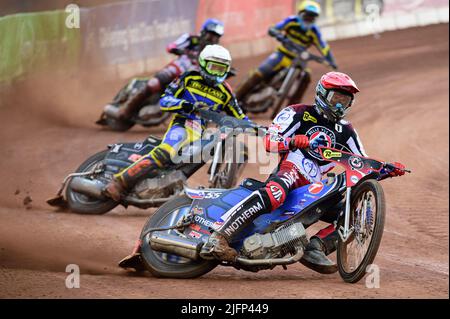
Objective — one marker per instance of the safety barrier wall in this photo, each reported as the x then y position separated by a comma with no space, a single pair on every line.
123,39
36,40
375,17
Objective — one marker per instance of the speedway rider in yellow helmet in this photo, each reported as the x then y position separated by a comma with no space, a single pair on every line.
301,30
205,88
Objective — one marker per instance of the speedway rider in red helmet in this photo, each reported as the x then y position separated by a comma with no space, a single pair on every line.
295,134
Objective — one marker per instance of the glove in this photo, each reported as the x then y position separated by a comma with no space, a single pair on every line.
299,141
399,169
187,106
334,66
319,141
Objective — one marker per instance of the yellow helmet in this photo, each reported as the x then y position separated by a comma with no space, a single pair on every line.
311,7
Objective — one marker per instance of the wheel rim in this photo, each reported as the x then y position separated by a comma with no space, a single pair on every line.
169,220
363,219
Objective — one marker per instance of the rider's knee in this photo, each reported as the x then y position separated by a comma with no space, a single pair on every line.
166,76
274,193
154,84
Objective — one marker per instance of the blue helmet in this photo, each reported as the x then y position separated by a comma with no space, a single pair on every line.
214,26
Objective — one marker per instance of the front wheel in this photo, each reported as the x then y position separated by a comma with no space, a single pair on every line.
234,160
163,264
367,215
83,204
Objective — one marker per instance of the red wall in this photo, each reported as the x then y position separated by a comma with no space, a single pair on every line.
244,19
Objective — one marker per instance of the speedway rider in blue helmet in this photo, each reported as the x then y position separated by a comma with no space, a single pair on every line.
187,47
299,29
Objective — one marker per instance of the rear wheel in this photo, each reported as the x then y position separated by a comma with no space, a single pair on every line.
83,204
163,264
367,215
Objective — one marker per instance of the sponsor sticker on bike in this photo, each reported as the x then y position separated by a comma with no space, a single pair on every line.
328,154
315,188
138,146
134,157
194,234
217,225
356,162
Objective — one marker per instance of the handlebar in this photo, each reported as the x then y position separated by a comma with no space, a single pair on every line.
303,53
393,167
225,121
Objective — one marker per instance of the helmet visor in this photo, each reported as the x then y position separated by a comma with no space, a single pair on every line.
339,100
308,17
215,28
216,68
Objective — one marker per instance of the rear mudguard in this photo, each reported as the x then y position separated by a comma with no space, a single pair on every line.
302,204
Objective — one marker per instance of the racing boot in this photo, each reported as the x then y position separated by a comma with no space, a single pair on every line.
114,189
255,78
236,220
124,181
315,256
138,97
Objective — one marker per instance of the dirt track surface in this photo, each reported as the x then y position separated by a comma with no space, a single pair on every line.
401,114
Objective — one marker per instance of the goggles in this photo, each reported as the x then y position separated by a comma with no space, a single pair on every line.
308,17
216,68
216,28
339,102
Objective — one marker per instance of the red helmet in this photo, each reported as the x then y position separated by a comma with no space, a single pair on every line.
335,94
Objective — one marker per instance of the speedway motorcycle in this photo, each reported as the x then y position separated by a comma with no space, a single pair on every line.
283,85
149,114
84,187
170,242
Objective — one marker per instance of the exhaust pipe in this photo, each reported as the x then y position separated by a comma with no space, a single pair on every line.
272,261
171,244
112,111
87,187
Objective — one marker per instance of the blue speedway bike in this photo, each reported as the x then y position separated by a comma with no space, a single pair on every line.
171,240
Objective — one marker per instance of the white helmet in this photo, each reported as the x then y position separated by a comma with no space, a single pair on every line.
215,63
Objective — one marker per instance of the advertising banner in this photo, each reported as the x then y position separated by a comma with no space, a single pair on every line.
245,20
129,31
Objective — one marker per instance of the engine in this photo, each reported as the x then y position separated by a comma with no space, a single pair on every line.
275,244
160,187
